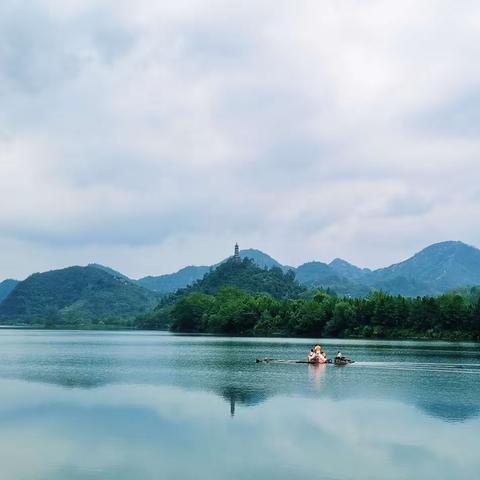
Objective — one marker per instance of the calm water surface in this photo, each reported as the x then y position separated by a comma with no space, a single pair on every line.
90,405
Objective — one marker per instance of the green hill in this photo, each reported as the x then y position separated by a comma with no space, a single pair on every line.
77,297
245,276
250,278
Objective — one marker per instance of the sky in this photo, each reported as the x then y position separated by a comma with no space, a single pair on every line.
152,135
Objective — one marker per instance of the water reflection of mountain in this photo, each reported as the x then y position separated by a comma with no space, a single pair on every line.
227,368
436,398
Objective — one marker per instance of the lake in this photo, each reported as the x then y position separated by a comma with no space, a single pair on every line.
151,405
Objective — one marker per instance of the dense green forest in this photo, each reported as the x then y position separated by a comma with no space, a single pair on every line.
243,299
235,312
251,278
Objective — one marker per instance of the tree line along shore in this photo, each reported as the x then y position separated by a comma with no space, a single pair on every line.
231,311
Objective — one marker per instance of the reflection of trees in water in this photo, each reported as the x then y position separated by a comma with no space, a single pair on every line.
67,372
64,379
451,396
452,412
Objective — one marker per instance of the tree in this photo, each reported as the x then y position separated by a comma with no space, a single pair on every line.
343,316
188,314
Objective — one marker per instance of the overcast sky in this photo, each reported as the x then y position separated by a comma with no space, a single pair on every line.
150,135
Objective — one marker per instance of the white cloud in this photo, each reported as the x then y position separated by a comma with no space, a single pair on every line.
309,130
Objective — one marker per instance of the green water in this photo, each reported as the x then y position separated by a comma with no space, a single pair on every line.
90,405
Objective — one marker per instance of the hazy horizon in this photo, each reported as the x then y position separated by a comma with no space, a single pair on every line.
148,137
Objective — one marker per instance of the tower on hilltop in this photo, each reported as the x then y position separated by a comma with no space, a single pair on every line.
236,255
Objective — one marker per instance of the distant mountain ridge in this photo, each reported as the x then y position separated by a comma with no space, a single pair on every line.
173,281
436,269
348,271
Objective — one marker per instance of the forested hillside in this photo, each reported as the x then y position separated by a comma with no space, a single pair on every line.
75,296
232,311
246,276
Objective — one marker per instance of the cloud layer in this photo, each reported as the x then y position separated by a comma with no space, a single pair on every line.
152,136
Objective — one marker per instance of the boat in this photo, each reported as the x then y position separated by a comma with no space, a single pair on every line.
342,361
317,359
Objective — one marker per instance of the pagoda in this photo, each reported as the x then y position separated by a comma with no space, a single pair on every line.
236,255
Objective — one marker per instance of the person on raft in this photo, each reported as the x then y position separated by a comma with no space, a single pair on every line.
316,355
339,355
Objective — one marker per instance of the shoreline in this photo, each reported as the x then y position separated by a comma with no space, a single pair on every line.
454,338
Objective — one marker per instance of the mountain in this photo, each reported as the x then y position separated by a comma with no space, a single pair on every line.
436,269
349,271
111,271
248,276
316,274
173,281
75,296
6,287
321,275
262,259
